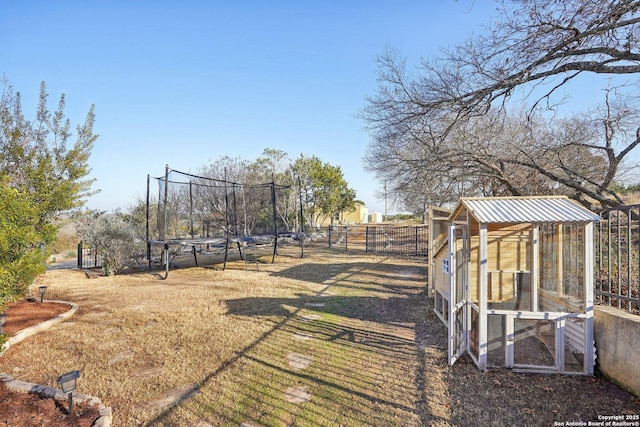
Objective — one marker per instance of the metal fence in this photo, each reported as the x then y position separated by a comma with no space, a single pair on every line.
340,237
88,257
617,258
378,239
398,240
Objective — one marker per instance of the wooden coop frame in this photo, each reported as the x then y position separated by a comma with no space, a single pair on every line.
513,283
438,233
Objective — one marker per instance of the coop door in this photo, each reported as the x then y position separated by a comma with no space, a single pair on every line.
458,290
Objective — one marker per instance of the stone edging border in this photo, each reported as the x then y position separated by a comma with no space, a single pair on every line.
24,387
27,332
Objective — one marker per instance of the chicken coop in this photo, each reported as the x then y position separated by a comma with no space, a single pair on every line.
513,283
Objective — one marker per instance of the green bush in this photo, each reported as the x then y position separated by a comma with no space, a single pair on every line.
21,236
116,237
43,172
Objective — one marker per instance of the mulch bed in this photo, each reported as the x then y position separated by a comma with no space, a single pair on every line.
28,409
23,314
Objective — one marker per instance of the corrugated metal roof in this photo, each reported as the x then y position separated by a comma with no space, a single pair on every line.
526,209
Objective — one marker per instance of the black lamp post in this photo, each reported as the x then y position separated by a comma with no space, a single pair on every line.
68,383
42,290
3,318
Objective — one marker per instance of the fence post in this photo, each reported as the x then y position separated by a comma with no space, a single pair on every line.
416,240
80,254
330,227
346,238
366,238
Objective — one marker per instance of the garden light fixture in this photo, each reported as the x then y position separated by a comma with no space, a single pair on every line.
3,318
42,290
68,383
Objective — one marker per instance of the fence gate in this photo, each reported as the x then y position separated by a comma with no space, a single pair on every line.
88,257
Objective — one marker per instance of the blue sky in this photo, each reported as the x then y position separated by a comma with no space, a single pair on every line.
182,83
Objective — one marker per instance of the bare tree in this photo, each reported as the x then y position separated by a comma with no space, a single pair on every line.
451,118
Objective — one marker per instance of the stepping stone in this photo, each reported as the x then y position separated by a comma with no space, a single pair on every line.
302,336
297,395
111,331
121,356
314,304
324,294
299,361
329,281
310,317
147,372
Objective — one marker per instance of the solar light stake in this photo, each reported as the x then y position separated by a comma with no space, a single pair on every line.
68,383
42,290
3,318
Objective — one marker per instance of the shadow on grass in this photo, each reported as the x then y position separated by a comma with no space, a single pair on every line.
367,273
366,355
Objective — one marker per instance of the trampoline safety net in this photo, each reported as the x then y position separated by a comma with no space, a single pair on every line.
191,206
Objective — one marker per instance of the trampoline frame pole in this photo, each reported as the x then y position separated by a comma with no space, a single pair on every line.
275,222
147,223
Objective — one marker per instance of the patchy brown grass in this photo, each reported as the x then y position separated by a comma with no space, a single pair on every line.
331,339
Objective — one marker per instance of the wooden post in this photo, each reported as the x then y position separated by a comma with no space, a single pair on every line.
535,266
482,306
588,295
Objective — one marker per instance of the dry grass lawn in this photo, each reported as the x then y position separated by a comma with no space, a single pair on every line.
219,343
331,339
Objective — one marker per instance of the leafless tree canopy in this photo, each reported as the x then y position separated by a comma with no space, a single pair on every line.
452,126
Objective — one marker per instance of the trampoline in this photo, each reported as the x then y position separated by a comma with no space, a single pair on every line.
212,220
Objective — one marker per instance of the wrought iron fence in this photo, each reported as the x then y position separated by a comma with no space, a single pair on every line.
88,257
408,240
341,237
617,258
378,239
375,239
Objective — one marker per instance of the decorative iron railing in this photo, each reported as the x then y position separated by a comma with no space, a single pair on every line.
617,258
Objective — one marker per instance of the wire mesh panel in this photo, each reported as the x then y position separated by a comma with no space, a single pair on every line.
534,343
496,341
561,270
